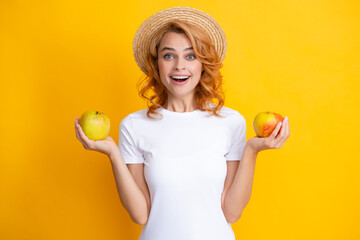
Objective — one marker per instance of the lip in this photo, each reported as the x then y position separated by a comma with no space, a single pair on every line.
180,75
180,83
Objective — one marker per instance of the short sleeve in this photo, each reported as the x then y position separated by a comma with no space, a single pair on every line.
238,141
127,144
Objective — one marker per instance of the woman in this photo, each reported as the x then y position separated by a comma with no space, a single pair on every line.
177,166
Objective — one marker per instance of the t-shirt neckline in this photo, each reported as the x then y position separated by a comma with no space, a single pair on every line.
179,113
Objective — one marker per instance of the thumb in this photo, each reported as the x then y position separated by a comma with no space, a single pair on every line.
109,138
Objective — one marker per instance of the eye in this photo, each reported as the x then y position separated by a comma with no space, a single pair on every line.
191,55
165,56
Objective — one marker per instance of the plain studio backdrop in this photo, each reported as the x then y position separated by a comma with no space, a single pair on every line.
59,59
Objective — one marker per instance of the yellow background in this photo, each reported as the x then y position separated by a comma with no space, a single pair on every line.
60,58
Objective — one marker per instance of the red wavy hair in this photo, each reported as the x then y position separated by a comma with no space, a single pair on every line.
210,85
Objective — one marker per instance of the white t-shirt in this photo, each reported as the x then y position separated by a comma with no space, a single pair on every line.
185,168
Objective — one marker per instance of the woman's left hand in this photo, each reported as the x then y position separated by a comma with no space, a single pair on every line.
275,141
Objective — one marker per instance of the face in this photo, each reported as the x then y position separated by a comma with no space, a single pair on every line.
176,59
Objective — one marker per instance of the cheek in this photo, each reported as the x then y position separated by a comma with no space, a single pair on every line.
163,72
197,66
163,67
197,69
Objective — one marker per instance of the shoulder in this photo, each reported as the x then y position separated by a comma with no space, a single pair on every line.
134,115
235,123
139,115
232,114
233,119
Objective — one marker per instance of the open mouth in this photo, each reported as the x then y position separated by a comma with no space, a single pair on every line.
182,79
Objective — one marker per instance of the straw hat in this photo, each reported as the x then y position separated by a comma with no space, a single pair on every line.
189,15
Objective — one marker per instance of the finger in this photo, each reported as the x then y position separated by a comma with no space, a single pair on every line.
82,137
287,128
276,130
280,143
284,134
77,133
280,139
283,130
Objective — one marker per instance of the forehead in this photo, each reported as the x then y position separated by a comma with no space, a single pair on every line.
173,39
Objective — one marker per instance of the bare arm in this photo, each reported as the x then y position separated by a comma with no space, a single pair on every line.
130,181
239,192
238,195
131,196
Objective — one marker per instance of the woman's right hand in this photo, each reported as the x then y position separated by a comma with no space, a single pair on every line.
106,146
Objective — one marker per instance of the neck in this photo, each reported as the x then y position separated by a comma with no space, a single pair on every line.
181,105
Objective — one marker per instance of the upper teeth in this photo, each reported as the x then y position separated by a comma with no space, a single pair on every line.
180,77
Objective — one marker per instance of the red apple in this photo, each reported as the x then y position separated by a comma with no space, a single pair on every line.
265,123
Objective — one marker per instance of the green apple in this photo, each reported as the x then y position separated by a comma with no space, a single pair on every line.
265,123
96,125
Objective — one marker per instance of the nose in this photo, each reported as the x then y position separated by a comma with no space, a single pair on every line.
179,64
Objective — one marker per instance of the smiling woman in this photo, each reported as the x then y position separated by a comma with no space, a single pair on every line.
184,179
178,66
178,50
184,162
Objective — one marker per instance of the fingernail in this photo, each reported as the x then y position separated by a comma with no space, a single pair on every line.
285,119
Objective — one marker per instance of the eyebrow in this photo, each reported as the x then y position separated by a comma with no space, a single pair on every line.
172,49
